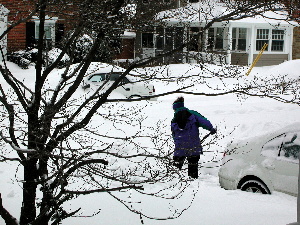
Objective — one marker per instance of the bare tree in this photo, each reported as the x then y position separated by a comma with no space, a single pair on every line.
51,130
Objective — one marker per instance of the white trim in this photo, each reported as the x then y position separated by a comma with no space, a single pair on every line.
3,26
229,46
290,44
252,44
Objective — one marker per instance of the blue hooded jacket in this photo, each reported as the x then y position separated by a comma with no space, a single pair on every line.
185,130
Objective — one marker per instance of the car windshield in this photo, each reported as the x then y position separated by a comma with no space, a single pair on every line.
97,78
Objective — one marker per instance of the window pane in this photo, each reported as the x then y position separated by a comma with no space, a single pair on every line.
277,34
242,33
194,37
147,40
97,78
233,44
47,29
260,44
291,146
277,46
272,147
114,76
262,34
239,36
241,44
178,36
234,33
219,38
169,38
210,40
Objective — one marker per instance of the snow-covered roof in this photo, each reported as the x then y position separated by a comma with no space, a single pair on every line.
128,34
203,12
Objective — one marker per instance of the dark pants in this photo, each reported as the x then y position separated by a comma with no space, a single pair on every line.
192,164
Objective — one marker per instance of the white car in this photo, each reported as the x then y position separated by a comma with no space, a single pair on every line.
132,86
263,164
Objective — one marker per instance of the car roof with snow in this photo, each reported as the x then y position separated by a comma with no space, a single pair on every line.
98,67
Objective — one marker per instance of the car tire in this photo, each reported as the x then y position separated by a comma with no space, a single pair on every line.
255,186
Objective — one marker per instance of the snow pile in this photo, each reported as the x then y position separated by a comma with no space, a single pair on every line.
235,117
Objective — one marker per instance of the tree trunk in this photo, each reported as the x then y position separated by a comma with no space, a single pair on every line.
28,210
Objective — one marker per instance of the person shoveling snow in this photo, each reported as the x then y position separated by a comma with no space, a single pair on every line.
185,131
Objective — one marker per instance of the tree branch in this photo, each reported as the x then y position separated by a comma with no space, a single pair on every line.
8,218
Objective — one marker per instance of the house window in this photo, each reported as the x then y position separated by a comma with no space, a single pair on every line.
169,38
194,35
277,40
239,39
193,1
262,37
147,40
273,37
49,30
215,38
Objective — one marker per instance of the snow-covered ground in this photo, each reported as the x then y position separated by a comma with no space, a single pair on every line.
211,205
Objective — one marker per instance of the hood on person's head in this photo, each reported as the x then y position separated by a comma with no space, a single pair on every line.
178,103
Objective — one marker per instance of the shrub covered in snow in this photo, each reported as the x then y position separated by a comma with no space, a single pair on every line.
104,52
82,47
24,58
52,55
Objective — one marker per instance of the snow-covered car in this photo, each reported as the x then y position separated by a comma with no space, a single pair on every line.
131,86
263,164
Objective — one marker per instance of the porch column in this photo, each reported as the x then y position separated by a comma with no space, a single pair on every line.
205,40
290,50
185,40
252,45
229,45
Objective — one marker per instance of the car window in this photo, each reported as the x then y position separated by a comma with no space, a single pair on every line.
125,81
291,146
114,76
97,78
285,146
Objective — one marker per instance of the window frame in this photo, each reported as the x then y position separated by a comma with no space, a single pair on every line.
149,43
49,26
271,38
214,40
237,38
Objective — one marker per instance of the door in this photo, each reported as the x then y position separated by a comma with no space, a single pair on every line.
125,87
282,152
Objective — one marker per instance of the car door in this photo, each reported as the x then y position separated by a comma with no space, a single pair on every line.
282,161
